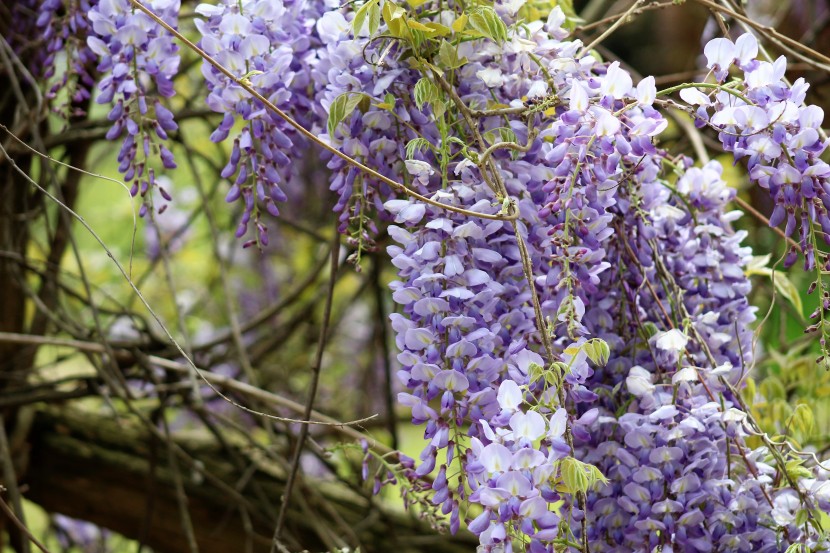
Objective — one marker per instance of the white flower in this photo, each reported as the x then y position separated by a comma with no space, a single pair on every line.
530,425
786,504
639,382
686,374
746,48
332,27
720,52
672,340
694,97
510,396
492,77
554,23
606,123
538,89
579,97
406,211
734,415
646,91
617,82
512,6
418,168
558,423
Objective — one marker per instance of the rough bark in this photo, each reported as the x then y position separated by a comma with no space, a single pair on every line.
114,474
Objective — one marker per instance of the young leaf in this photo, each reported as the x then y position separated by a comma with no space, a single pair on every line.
459,24
802,419
437,29
426,92
374,18
488,23
342,107
395,17
448,56
361,15
578,476
418,26
416,145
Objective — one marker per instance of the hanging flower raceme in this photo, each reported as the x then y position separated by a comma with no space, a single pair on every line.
139,60
763,119
266,43
65,28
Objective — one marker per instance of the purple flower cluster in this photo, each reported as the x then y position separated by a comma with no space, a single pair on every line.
377,136
65,26
136,54
671,485
593,196
762,118
604,331
266,42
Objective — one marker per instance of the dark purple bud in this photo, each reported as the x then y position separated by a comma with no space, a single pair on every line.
167,158
116,111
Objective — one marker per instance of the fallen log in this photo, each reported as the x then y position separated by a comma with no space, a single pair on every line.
115,473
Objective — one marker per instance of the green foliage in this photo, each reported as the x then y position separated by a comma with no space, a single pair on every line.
577,476
427,92
416,145
371,11
487,23
448,57
783,284
343,106
596,349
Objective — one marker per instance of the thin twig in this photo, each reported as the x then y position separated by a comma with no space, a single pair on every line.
312,393
22,527
156,317
10,476
610,30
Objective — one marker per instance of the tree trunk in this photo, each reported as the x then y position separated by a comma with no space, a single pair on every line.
115,474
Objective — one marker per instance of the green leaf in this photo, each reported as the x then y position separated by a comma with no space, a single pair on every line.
535,372
438,29
361,15
796,470
783,284
578,476
597,350
802,419
787,289
650,329
427,92
416,145
388,102
342,107
561,367
448,56
488,23
801,517
758,265
395,18
459,24
374,18
772,388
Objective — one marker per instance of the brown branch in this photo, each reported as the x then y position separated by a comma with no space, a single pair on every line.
95,468
312,393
